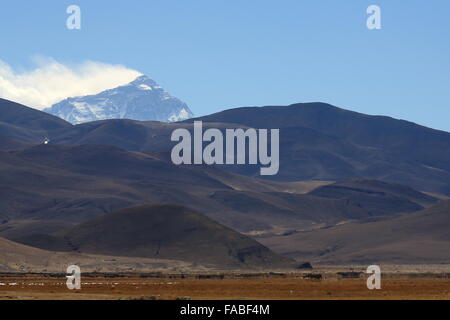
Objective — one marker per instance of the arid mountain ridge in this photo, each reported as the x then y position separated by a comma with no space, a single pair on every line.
337,168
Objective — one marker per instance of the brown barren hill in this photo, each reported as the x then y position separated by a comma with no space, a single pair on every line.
15,257
166,231
377,197
417,238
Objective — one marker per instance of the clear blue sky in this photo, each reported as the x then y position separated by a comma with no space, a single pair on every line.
216,54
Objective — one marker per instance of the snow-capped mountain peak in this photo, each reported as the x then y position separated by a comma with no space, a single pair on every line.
141,99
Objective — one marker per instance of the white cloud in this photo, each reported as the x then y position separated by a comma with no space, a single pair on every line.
51,81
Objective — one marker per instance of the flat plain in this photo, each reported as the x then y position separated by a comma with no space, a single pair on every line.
326,282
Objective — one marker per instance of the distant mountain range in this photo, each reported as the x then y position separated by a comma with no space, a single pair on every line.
317,142
142,99
342,173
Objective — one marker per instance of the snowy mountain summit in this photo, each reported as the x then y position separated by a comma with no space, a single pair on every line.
141,99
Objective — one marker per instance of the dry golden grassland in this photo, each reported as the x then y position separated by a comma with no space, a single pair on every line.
322,283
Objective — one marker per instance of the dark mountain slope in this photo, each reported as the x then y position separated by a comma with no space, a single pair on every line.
421,237
7,144
19,228
26,124
112,162
317,142
77,183
370,146
168,232
377,197
33,191
127,134
401,138
18,258
278,211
